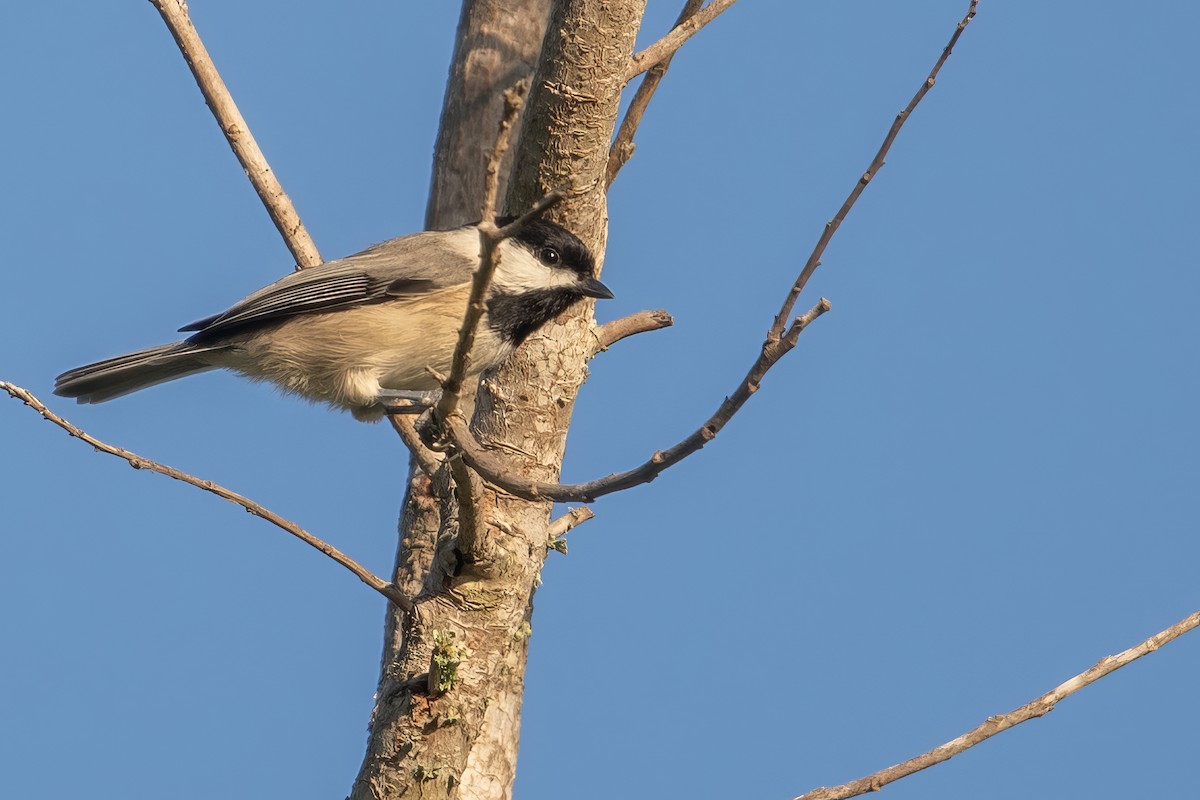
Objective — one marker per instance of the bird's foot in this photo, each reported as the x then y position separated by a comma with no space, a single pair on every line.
396,401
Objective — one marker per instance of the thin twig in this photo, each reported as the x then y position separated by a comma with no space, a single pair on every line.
220,101
386,589
665,47
568,521
623,146
490,238
814,260
547,202
994,725
781,338
610,333
492,469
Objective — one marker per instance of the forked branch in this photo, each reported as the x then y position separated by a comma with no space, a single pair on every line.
493,470
623,146
666,47
781,337
490,237
831,227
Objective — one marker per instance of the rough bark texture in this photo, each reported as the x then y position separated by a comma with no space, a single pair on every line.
525,408
473,571
497,45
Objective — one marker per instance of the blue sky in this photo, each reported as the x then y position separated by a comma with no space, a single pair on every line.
973,478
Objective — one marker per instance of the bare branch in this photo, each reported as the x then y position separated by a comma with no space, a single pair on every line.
994,725
831,227
490,238
493,470
610,333
623,146
665,47
781,337
386,589
568,521
514,99
220,101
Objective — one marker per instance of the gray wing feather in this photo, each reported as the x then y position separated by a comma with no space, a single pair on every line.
104,380
403,267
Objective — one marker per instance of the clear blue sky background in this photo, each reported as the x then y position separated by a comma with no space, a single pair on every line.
972,480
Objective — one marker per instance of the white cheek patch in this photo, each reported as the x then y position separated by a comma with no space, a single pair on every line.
520,272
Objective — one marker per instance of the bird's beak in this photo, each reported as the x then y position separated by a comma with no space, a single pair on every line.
590,287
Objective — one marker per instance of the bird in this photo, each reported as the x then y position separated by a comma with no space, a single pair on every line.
360,332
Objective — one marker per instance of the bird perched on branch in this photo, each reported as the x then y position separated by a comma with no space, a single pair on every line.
363,331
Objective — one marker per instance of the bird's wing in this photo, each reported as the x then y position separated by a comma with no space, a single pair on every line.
405,267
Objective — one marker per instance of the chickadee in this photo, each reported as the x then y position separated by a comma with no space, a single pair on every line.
360,330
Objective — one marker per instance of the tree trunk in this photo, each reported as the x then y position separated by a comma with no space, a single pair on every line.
447,718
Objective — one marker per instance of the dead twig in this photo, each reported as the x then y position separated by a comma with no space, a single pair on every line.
490,237
831,227
623,146
233,125
494,470
610,333
386,589
1002,722
665,47
781,337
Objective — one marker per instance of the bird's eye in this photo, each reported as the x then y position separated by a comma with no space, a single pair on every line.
549,256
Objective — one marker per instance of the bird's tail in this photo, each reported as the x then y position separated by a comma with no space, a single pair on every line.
104,380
